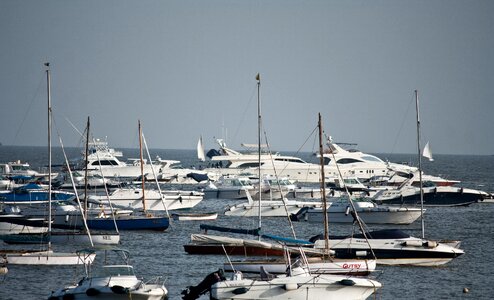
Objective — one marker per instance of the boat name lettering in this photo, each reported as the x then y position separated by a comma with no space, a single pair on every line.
351,266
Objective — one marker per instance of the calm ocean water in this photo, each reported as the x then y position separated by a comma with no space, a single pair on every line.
162,254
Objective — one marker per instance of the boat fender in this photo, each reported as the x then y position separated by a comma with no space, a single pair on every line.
291,286
68,297
430,244
91,292
414,243
362,253
240,291
118,289
347,210
347,282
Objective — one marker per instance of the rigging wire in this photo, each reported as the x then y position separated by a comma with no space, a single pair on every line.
401,126
244,113
41,81
283,199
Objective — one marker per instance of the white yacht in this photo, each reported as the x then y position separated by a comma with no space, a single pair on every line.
227,161
17,168
366,167
105,161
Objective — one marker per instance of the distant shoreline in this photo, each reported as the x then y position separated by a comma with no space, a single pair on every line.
379,154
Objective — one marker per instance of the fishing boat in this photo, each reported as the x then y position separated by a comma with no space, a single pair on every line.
113,281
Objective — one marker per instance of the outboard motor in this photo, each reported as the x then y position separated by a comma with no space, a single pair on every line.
194,292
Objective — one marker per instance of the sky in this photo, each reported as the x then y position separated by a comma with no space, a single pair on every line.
186,68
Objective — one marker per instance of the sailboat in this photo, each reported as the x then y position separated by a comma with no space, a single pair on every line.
427,153
200,150
49,257
69,235
322,264
144,221
296,283
394,247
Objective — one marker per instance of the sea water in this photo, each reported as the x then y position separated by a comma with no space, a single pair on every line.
162,254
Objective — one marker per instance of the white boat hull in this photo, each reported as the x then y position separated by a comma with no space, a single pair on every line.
400,216
9,228
295,287
49,258
315,265
272,208
132,199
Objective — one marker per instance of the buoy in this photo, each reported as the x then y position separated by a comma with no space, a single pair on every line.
465,290
3,270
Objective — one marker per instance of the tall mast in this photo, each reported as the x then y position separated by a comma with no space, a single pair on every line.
323,187
420,164
47,65
258,78
85,173
142,167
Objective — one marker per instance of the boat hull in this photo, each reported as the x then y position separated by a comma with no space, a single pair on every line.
269,208
437,196
195,217
144,223
295,287
63,238
401,216
316,265
47,258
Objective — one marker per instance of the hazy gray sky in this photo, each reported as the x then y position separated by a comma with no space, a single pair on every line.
187,68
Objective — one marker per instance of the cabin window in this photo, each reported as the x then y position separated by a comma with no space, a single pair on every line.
250,165
348,161
371,158
104,162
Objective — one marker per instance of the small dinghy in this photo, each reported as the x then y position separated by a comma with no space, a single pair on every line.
195,216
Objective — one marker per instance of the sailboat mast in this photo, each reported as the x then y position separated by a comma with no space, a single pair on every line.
142,167
420,164
86,171
258,78
48,83
323,188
